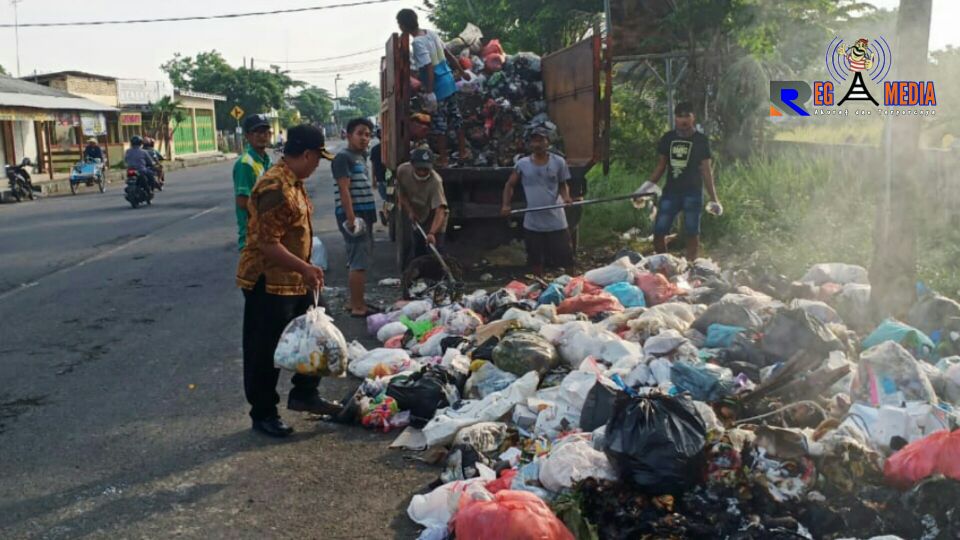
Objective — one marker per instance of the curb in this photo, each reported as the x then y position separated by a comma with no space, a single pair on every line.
62,186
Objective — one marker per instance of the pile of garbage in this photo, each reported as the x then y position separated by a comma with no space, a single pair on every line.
655,398
500,98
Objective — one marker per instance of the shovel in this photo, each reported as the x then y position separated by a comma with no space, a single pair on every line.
449,284
581,203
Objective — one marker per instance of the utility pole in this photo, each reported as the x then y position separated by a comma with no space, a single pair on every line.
16,32
336,102
894,269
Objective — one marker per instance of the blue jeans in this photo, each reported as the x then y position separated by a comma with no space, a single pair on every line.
671,204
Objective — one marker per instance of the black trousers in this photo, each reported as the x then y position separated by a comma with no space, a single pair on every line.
264,318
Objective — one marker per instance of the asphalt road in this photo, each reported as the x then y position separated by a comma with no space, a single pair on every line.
121,406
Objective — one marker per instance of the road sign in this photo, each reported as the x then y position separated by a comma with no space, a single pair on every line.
236,112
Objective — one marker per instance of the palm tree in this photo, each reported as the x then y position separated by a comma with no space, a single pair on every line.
164,111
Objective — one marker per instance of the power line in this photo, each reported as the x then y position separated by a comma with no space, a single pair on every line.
334,69
198,17
358,53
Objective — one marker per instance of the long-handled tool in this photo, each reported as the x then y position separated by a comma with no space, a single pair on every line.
433,248
448,287
582,203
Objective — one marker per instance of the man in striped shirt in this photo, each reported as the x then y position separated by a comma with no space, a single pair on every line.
356,210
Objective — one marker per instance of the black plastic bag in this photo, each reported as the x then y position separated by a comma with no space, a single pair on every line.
423,393
729,314
656,442
598,407
792,330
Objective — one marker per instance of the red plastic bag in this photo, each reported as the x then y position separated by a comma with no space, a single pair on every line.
502,483
396,342
415,85
579,285
656,288
511,515
937,453
466,63
492,47
518,288
494,63
590,304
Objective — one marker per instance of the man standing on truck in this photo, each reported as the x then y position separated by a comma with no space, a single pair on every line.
356,210
685,156
252,163
421,196
544,177
431,63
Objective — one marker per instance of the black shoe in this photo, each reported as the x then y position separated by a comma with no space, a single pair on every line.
273,427
316,405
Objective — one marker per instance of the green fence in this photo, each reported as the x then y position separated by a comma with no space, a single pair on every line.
206,136
183,135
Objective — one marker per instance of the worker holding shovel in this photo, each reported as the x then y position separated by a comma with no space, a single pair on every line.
685,157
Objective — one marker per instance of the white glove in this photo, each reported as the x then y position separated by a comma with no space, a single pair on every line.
647,187
715,208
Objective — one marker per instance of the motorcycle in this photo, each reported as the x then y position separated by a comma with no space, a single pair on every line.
138,188
19,178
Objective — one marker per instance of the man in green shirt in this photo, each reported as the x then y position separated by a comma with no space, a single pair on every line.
251,164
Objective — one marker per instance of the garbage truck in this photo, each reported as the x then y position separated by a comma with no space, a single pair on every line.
577,85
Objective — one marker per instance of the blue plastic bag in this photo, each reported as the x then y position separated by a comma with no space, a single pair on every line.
911,339
553,294
721,336
630,296
705,382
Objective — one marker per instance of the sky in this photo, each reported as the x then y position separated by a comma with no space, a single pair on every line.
135,51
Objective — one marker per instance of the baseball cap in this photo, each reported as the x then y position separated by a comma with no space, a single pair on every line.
306,137
255,121
422,158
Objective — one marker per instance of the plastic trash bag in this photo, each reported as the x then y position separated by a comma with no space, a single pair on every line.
423,392
390,330
312,345
630,296
656,442
721,336
881,425
578,340
445,425
932,312
598,406
909,337
573,459
615,272
485,437
590,304
488,379
553,294
889,375
838,273
938,453
523,351
436,509
580,285
511,515
656,288
415,309
727,314
705,382
396,360
378,320
318,255
823,312
463,322
667,264
664,343
793,330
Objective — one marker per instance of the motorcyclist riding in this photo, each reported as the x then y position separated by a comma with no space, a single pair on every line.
139,159
148,146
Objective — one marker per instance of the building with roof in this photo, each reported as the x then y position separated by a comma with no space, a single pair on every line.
32,116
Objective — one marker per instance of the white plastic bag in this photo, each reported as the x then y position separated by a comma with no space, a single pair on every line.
576,341
390,330
396,360
615,272
435,509
445,425
414,310
312,345
318,256
572,460
462,323
838,273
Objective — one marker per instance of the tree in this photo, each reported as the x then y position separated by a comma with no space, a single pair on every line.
315,105
3,71
365,97
164,111
254,90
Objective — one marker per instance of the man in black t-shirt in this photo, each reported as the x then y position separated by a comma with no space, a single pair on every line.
685,157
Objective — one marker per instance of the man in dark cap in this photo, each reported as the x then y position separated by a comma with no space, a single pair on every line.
421,196
252,163
277,279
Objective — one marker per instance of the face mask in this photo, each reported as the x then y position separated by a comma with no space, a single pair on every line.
421,178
